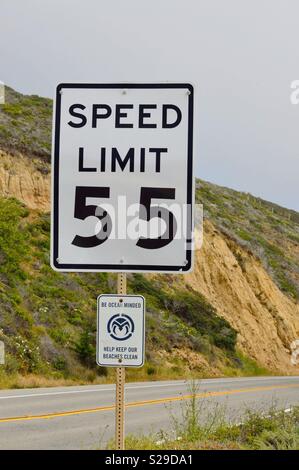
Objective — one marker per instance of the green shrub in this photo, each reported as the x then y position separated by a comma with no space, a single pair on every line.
195,310
14,110
59,363
150,370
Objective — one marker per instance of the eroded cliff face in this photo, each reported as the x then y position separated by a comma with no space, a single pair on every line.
26,179
231,278
237,285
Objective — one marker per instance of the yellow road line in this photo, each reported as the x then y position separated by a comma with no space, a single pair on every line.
148,402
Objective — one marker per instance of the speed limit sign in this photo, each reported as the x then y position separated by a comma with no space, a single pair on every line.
122,177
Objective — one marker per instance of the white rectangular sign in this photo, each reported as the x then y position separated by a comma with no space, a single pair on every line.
122,178
2,353
120,332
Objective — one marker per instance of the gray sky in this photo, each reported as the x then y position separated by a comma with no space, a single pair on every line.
241,55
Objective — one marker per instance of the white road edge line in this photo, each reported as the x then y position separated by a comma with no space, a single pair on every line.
134,387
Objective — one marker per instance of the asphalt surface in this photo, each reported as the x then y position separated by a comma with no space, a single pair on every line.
83,417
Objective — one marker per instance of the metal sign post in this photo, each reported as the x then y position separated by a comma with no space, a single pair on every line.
120,383
120,342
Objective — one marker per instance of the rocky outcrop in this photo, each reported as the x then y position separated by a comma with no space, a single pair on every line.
237,285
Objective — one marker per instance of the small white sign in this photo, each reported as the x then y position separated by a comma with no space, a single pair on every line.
120,333
122,177
2,353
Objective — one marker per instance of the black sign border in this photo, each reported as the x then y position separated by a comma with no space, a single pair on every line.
55,195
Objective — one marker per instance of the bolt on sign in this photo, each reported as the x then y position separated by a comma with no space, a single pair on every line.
123,184
120,332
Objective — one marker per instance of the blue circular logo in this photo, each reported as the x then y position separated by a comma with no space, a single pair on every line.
120,327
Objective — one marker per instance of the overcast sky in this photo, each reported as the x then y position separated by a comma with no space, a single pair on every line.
241,55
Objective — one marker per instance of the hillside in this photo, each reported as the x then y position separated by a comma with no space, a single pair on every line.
237,313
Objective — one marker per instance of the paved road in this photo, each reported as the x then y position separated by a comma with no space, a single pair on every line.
83,417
